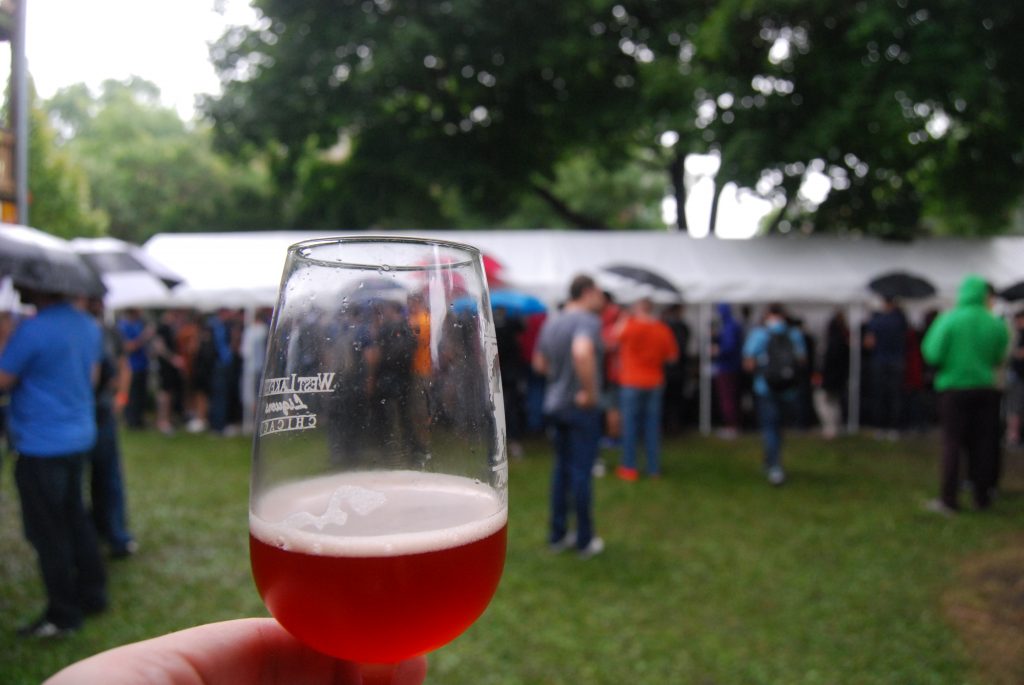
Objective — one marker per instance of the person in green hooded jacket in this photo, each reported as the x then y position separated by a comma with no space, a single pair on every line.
966,345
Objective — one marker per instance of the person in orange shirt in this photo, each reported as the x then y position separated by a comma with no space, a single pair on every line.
646,344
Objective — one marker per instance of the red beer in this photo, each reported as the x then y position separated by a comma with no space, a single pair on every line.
400,580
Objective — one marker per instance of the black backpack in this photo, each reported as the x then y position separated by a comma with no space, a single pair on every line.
780,365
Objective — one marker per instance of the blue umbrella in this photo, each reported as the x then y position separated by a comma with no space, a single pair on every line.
517,303
514,302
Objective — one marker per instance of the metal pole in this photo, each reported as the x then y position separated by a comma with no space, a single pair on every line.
853,317
20,68
704,341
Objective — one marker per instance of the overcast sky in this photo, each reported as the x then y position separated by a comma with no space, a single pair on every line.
164,41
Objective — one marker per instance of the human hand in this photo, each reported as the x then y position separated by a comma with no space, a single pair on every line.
250,650
586,399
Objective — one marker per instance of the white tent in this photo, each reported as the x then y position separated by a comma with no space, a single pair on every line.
244,269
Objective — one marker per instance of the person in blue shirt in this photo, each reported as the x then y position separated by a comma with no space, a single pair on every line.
135,335
50,366
772,401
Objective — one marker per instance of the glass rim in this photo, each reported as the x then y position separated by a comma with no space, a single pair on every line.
296,250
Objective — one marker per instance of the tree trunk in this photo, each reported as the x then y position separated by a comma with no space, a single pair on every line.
577,219
773,227
677,177
713,219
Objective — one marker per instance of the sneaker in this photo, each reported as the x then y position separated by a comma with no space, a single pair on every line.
126,550
937,506
776,476
626,473
593,548
44,629
599,470
567,542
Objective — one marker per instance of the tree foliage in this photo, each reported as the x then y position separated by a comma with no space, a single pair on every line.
60,202
391,112
148,172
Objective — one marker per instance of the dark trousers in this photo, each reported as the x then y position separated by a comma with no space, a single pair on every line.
58,527
727,385
887,387
138,397
970,427
106,485
577,433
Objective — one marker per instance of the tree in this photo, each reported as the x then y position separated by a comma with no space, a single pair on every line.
59,189
148,172
479,99
912,110
379,112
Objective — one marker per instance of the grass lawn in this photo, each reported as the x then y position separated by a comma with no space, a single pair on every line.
710,577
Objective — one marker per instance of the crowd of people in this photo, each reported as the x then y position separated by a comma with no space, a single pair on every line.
622,375
594,373
190,370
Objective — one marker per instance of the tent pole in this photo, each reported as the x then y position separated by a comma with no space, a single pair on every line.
704,354
853,317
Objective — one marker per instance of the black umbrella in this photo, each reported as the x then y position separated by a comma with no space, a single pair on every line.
109,256
643,276
901,285
39,261
1014,292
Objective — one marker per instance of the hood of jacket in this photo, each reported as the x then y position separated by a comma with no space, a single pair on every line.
973,291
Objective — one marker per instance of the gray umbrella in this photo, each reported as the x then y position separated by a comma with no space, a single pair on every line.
643,276
39,261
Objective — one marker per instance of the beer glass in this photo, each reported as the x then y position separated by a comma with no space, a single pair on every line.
378,503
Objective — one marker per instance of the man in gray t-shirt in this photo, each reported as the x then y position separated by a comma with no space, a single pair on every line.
556,342
568,354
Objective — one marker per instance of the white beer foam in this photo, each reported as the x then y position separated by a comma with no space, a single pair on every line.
377,513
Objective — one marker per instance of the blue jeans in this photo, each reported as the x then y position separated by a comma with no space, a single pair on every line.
641,411
769,416
576,433
106,484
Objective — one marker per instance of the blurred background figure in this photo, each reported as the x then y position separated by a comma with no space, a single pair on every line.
50,365
509,330
832,380
254,352
646,345
727,361
170,371
677,373
966,344
886,339
106,481
136,334
774,353
1015,383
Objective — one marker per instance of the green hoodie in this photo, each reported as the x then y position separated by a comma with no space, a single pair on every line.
968,342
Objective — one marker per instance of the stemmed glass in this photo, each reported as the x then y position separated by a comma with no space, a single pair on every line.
378,504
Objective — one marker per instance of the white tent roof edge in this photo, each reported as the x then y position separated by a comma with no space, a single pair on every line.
243,269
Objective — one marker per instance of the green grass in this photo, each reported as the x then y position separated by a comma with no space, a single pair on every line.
710,577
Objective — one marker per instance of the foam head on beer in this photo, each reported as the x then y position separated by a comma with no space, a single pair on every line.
378,566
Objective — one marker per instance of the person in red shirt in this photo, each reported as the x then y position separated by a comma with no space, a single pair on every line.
646,344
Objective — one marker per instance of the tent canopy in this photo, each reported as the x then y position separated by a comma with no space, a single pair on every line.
244,269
